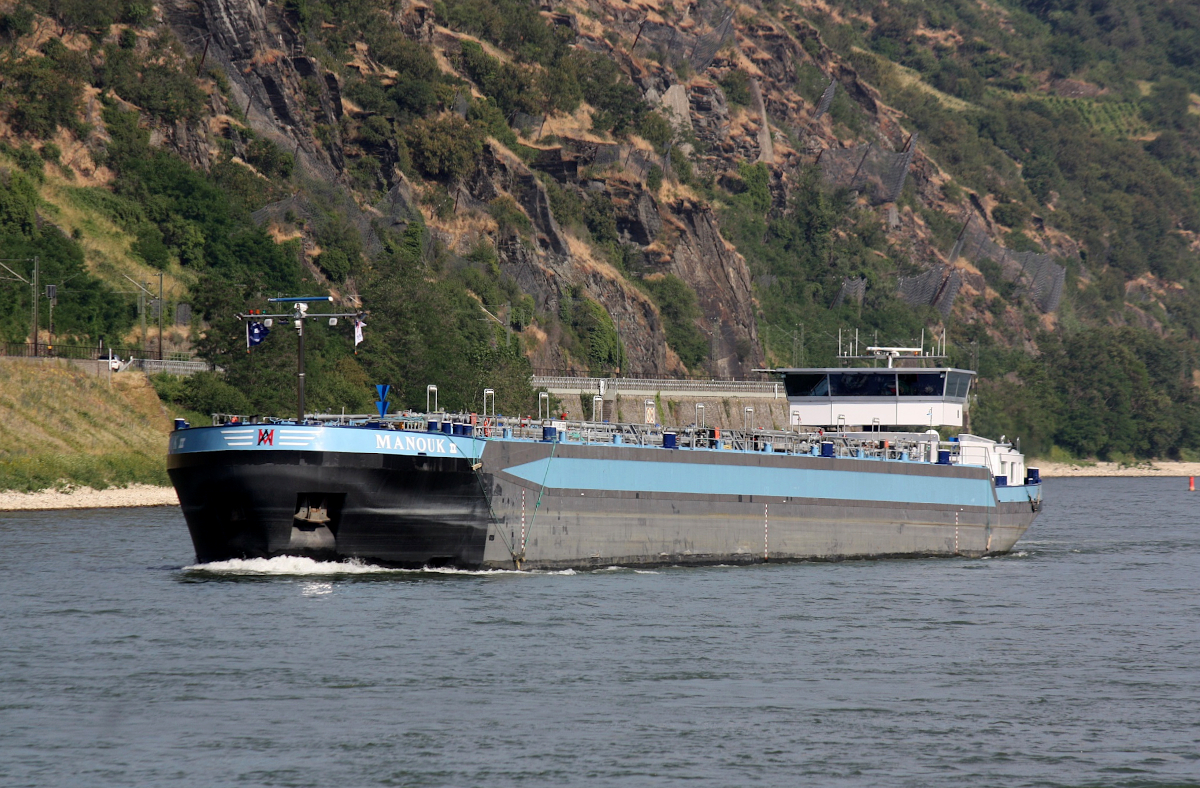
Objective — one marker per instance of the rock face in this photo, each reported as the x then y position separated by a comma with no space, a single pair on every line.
546,267
285,94
719,275
260,53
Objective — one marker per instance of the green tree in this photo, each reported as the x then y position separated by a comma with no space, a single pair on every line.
445,147
677,304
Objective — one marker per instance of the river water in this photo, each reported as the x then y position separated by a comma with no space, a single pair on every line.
1073,661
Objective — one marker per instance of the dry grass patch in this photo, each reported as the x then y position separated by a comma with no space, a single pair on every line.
60,426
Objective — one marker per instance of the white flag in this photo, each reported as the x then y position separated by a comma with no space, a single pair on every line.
358,337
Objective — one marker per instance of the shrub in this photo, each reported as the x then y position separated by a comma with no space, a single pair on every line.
204,392
1010,214
30,161
656,130
677,305
509,215
444,147
514,88
270,159
16,24
595,333
335,263
150,247
618,103
43,98
736,85
600,217
654,178
160,88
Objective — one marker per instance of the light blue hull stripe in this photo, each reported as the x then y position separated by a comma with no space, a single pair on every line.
660,477
1019,494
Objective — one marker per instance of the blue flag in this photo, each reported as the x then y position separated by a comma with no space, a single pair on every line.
381,404
255,334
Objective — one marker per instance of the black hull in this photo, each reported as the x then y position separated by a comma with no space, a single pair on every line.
400,511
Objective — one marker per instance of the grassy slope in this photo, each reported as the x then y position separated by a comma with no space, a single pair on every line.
60,426
106,246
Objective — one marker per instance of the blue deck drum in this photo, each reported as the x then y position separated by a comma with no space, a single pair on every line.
181,424
943,457
549,434
669,441
448,427
1033,476
432,426
827,449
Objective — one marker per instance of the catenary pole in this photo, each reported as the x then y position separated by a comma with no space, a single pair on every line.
160,315
32,282
36,298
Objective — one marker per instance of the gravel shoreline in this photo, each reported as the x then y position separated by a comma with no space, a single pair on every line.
1054,470
87,498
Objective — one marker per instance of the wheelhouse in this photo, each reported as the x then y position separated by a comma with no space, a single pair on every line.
882,398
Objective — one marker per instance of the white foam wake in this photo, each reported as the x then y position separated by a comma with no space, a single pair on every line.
287,565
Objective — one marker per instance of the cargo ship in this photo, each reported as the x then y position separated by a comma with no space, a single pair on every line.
861,472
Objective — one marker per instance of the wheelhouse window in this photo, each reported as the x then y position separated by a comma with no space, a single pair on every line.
957,385
806,385
923,384
863,384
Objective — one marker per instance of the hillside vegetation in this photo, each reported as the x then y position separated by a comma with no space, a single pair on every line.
616,188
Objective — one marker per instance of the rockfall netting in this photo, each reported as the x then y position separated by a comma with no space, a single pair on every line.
393,209
527,124
826,100
868,169
1037,275
853,289
294,209
697,47
937,287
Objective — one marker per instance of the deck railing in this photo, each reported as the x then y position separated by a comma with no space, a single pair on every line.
617,385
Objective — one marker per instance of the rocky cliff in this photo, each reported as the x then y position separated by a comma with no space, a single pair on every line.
284,94
612,196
